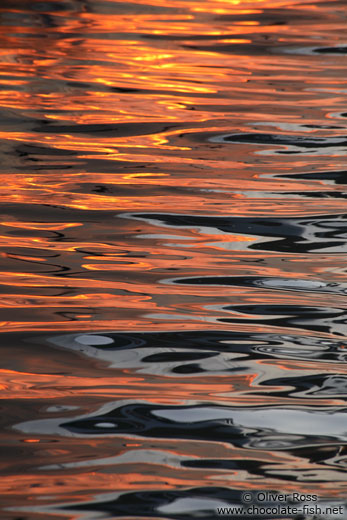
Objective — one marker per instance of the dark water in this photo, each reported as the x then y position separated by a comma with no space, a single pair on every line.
173,257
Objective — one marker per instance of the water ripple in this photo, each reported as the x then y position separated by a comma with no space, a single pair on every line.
172,255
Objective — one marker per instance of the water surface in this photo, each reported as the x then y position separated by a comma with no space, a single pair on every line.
173,255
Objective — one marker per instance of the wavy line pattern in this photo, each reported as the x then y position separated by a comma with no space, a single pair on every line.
172,255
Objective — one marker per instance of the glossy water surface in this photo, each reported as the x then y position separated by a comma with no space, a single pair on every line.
173,255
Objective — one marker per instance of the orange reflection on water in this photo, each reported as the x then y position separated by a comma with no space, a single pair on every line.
111,115
124,384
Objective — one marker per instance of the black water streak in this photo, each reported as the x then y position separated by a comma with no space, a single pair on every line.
172,504
266,282
297,235
143,420
338,177
291,140
331,50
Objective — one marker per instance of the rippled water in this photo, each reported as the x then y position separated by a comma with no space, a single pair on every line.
173,251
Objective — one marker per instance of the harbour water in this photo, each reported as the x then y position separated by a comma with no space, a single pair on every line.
173,258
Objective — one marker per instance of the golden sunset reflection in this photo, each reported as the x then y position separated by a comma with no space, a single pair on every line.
172,255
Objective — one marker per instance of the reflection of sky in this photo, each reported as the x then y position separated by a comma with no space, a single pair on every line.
296,421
